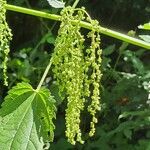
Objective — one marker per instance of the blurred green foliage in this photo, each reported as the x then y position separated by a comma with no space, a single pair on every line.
124,121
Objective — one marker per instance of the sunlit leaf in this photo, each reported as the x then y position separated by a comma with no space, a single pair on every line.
56,3
146,26
146,38
26,118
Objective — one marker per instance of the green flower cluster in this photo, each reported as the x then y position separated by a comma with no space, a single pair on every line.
5,37
77,69
93,61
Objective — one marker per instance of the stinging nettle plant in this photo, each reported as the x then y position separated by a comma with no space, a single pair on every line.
26,116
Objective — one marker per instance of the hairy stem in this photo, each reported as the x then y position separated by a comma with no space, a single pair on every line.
44,75
86,25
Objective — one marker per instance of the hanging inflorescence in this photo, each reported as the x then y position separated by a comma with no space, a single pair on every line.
5,37
77,69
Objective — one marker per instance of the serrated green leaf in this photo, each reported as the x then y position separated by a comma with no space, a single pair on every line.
26,118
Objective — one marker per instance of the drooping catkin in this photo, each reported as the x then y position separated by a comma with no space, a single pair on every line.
68,61
5,37
94,63
72,62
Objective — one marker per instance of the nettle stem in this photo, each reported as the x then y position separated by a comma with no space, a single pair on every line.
86,25
44,75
